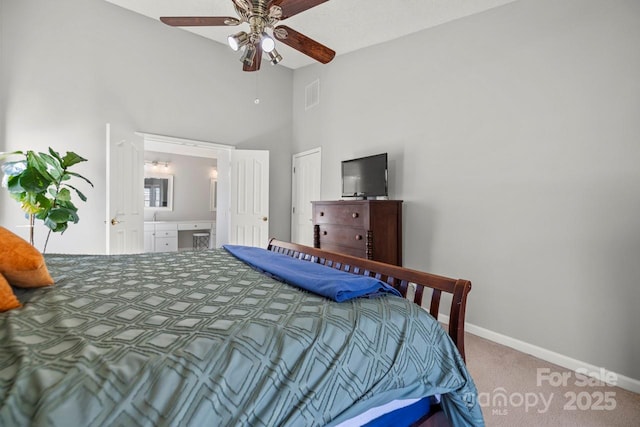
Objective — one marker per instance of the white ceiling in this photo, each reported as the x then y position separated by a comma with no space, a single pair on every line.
342,25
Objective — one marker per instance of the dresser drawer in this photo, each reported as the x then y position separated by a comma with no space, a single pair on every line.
344,236
345,214
344,250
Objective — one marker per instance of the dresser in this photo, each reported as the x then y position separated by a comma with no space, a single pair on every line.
369,229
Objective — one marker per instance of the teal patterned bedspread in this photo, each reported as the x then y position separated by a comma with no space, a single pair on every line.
201,339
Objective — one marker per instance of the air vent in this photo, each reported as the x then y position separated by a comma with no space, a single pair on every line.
312,95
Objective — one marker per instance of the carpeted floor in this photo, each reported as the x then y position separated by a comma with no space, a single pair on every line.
516,389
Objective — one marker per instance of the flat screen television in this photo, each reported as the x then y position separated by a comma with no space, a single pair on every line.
365,177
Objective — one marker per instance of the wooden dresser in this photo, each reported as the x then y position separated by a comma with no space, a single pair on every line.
369,229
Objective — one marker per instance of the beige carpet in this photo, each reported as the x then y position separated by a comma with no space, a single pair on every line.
516,389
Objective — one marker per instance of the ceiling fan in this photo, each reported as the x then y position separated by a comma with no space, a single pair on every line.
262,15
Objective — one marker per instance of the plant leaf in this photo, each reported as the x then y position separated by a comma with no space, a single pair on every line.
56,155
34,161
54,168
61,215
31,180
64,195
77,175
71,159
82,196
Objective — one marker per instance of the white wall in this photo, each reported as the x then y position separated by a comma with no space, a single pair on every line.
70,66
513,138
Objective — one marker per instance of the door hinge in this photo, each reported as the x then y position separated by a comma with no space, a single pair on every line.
293,209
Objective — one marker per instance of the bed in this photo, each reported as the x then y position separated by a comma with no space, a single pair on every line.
203,338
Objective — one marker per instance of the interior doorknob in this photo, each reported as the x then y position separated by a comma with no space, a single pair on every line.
114,221
264,218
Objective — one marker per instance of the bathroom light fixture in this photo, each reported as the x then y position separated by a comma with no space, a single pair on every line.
154,163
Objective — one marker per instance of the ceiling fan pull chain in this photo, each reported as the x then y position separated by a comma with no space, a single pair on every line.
257,100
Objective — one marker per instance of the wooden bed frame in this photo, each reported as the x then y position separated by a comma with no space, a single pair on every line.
398,277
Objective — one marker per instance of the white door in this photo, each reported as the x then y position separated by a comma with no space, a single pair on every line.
124,195
306,175
249,214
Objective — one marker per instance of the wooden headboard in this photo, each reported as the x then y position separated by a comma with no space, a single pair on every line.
398,277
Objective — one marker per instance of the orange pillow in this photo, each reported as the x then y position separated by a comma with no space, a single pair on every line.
20,263
7,299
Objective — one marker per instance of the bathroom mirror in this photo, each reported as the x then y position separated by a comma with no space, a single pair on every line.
158,192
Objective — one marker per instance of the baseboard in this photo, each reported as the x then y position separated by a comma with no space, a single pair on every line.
622,381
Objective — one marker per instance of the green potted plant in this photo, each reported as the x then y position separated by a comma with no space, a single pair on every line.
40,183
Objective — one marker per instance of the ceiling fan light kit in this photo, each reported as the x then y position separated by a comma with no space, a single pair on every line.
262,17
236,41
267,43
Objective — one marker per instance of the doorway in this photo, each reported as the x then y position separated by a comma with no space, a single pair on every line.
226,157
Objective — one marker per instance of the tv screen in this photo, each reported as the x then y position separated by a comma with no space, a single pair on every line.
365,177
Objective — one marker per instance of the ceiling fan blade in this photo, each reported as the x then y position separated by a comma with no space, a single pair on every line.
257,59
199,21
304,44
293,7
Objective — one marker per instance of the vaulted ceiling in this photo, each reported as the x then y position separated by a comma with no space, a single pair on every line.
342,25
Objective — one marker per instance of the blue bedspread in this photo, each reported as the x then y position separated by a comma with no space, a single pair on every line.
326,281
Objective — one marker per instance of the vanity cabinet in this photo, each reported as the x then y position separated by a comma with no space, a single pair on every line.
165,236
160,237
369,229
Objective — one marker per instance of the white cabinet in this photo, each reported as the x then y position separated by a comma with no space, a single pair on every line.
163,236
204,226
149,237
160,237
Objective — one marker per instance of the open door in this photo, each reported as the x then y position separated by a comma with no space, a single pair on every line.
124,196
249,214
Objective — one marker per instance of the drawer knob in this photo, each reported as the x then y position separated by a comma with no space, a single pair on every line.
358,237
324,233
321,213
355,215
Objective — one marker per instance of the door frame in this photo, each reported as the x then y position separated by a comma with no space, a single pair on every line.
212,150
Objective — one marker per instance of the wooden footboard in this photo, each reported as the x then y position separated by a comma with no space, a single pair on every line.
398,277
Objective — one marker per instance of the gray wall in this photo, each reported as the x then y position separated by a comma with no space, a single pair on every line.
68,67
513,138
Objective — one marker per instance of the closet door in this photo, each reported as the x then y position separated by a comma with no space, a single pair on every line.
249,198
